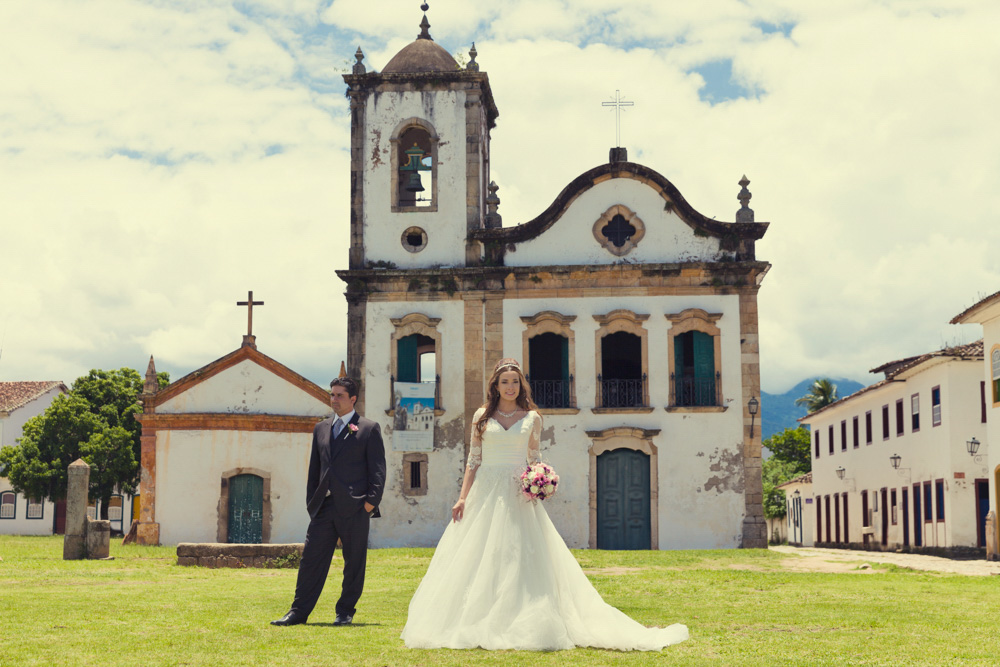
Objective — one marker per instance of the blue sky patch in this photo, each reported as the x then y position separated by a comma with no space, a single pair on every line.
719,84
771,28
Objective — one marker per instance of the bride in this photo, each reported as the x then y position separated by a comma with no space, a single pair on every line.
501,576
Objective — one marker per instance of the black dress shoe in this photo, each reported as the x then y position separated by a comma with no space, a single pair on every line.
343,619
291,618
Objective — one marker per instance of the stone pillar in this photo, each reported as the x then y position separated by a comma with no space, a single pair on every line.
148,531
74,543
991,536
754,525
98,539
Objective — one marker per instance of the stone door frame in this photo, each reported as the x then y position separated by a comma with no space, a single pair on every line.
222,531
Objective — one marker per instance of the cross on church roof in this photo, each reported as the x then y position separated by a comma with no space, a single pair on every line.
249,339
618,103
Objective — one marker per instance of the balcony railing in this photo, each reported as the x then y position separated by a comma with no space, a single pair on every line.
688,391
552,393
617,393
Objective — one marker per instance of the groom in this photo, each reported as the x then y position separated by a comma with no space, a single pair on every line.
346,480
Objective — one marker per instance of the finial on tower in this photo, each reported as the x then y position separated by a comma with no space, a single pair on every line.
493,219
424,24
358,67
745,214
150,385
473,66
343,370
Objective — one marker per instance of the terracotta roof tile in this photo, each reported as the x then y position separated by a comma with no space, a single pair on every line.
801,479
14,395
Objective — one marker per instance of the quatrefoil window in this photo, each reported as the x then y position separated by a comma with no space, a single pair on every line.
619,230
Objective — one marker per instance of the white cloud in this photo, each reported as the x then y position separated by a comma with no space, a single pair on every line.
157,160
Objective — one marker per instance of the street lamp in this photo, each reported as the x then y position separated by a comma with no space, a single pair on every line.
752,406
972,446
840,472
894,460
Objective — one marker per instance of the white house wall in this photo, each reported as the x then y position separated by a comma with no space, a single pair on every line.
418,520
189,469
700,505
991,338
929,454
571,240
246,388
383,228
11,429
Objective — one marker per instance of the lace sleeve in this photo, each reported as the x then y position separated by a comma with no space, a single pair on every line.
535,439
475,443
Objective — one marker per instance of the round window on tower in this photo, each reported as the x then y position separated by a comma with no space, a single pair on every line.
414,239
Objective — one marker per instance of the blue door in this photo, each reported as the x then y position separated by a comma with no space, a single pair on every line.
246,509
623,514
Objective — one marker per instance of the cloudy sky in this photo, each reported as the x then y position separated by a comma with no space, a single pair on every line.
158,159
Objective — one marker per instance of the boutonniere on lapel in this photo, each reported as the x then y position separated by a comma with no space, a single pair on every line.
353,427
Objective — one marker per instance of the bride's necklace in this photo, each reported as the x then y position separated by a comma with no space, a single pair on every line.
507,415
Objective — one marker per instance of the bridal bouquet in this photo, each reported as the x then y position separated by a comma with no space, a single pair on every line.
539,481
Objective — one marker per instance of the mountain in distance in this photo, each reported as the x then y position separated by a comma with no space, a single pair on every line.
778,411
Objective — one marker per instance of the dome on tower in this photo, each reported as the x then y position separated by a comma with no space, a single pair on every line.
421,56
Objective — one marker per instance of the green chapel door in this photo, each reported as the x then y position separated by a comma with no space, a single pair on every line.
246,509
623,516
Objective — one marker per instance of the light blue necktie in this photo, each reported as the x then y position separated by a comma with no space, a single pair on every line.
338,426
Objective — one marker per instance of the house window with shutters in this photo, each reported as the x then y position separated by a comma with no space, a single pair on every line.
995,374
548,351
36,509
415,346
8,504
936,406
695,359
622,363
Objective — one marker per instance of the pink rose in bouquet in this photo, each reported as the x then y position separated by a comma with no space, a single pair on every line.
539,481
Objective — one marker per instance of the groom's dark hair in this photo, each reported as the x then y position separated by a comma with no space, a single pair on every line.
347,383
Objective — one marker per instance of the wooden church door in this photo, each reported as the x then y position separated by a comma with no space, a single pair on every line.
623,516
246,509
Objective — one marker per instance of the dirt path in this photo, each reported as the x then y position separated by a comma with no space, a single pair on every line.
809,559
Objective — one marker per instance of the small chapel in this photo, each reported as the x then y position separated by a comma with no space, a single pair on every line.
634,317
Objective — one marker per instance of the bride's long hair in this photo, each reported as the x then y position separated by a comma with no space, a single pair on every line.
493,393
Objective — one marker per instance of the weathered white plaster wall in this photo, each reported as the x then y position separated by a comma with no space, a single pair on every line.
570,240
701,499
189,468
929,454
246,388
991,338
446,227
11,428
418,520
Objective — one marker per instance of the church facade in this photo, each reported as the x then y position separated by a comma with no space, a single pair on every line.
633,315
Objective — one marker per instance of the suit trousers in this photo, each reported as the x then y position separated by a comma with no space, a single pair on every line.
321,541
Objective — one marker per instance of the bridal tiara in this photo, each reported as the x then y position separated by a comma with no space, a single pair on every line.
508,362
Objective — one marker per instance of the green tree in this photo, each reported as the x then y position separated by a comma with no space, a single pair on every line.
95,421
821,394
791,446
775,472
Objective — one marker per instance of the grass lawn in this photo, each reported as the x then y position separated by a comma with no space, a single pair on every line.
742,607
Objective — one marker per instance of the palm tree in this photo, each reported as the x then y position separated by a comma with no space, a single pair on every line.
821,394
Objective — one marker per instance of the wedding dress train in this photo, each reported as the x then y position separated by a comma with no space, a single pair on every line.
502,577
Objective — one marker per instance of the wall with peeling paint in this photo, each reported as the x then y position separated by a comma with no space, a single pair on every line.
418,520
246,388
189,468
571,238
701,490
446,227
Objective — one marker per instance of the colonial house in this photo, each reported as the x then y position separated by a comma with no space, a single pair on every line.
19,402
633,314
987,313
799,525
225,452
902,463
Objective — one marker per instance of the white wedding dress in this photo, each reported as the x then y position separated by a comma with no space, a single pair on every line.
502,577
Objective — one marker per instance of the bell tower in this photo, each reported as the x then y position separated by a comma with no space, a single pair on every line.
420,151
